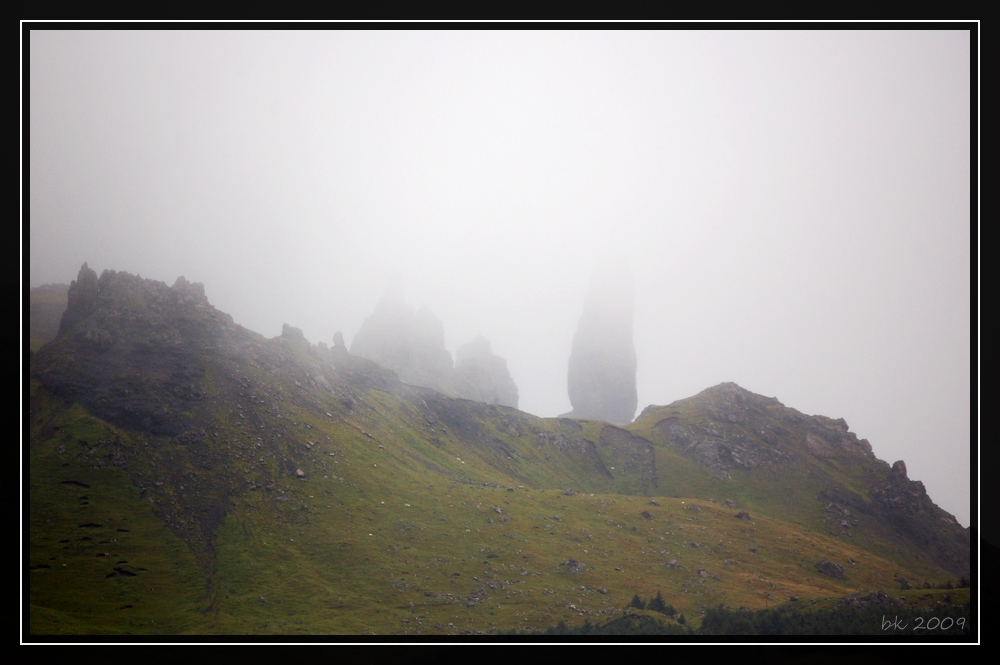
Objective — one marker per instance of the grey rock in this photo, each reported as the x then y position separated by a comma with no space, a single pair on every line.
483,376
411,343
407,341
830,569
339,349
602,365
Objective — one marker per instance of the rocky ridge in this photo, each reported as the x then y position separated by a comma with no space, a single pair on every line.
213,417
736,434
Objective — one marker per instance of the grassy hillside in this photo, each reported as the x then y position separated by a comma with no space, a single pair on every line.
389,532
189,476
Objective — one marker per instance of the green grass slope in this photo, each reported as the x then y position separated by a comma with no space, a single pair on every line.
189,476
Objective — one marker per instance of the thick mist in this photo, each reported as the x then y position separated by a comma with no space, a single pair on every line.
793,207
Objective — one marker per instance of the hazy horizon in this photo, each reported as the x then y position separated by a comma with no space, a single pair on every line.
793,207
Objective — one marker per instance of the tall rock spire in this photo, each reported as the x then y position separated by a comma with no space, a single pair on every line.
602,366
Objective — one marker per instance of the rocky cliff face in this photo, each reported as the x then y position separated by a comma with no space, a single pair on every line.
602,366
411,343
482,376
132,350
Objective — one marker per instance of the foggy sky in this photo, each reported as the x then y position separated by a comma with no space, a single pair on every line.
793,207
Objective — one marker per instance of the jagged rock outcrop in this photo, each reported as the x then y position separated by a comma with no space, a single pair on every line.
411,343
602,366
339,348
294,337
482,376
202,397
742,430
735,433
131,349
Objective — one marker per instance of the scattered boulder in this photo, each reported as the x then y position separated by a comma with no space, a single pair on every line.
574,566
299,473
191,436
646,515
743,515
830,569
870,598
729,503
570,492
120,572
